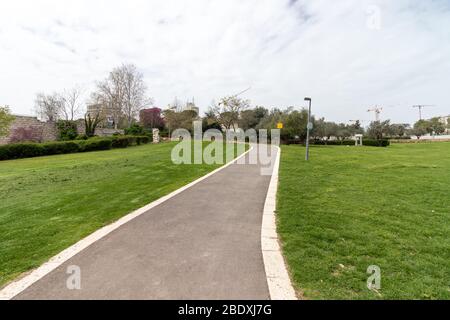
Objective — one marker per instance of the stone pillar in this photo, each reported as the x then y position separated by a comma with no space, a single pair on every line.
156,138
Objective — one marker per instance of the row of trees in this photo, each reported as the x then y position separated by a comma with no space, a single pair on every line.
120,96
432,126
233,112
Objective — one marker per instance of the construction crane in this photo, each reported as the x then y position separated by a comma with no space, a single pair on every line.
242,92
358,120
237,95
421,106
377,110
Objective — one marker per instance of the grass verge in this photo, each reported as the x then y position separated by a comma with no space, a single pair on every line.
49,203
349,208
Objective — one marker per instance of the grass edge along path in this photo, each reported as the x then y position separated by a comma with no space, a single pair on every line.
349,208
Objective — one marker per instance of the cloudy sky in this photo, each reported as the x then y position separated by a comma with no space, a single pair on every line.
347,54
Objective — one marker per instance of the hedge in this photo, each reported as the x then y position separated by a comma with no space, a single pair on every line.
95,144
334,142
30,150
120,142
51,148
376,143
366,142
21,150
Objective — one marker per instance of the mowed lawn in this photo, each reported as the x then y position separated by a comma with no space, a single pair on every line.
349,208
49,203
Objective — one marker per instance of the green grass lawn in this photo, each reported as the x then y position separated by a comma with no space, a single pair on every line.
49,203
349,208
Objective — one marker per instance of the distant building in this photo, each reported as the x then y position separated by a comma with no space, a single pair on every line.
446,121
190,106
105,112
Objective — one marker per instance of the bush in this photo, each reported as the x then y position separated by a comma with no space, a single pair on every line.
67,130
119,142
376,143
95,144
51,148
134,130
29,150
142,140
21,150
82,137
366,142
131,140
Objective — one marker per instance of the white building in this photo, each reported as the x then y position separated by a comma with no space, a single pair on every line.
446,121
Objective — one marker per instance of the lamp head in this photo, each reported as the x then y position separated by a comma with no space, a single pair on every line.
307,99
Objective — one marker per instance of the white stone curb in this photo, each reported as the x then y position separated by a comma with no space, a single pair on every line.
16,287
278,280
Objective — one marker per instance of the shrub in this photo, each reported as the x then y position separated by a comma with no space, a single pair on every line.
366,142
135,130
82,137
28,150
67,130
131,140
142,140
95,144
60,147
21,150
376,143
119,142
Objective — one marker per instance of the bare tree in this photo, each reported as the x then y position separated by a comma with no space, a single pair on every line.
176,105
71,99
123,93
48,107
109,94
134,92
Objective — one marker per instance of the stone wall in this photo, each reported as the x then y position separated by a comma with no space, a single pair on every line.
48,130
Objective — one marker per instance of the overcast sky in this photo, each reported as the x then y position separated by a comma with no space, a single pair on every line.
347,55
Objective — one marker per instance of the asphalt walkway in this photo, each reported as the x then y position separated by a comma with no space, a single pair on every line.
204,243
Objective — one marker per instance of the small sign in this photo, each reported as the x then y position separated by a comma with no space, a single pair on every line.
310,126
279,125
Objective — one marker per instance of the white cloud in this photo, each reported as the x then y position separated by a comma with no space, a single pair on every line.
284,50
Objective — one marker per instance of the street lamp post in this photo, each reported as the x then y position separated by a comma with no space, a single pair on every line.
309,127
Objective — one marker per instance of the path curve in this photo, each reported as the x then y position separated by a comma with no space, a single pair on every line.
202,243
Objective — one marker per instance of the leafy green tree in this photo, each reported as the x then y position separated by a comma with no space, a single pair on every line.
248,119
180,120
355,128
209,121
319,131
420,128
398,129
295,123
67,130
379,129
135,130
6,118
436,126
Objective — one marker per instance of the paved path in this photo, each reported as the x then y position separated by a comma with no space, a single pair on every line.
204,243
